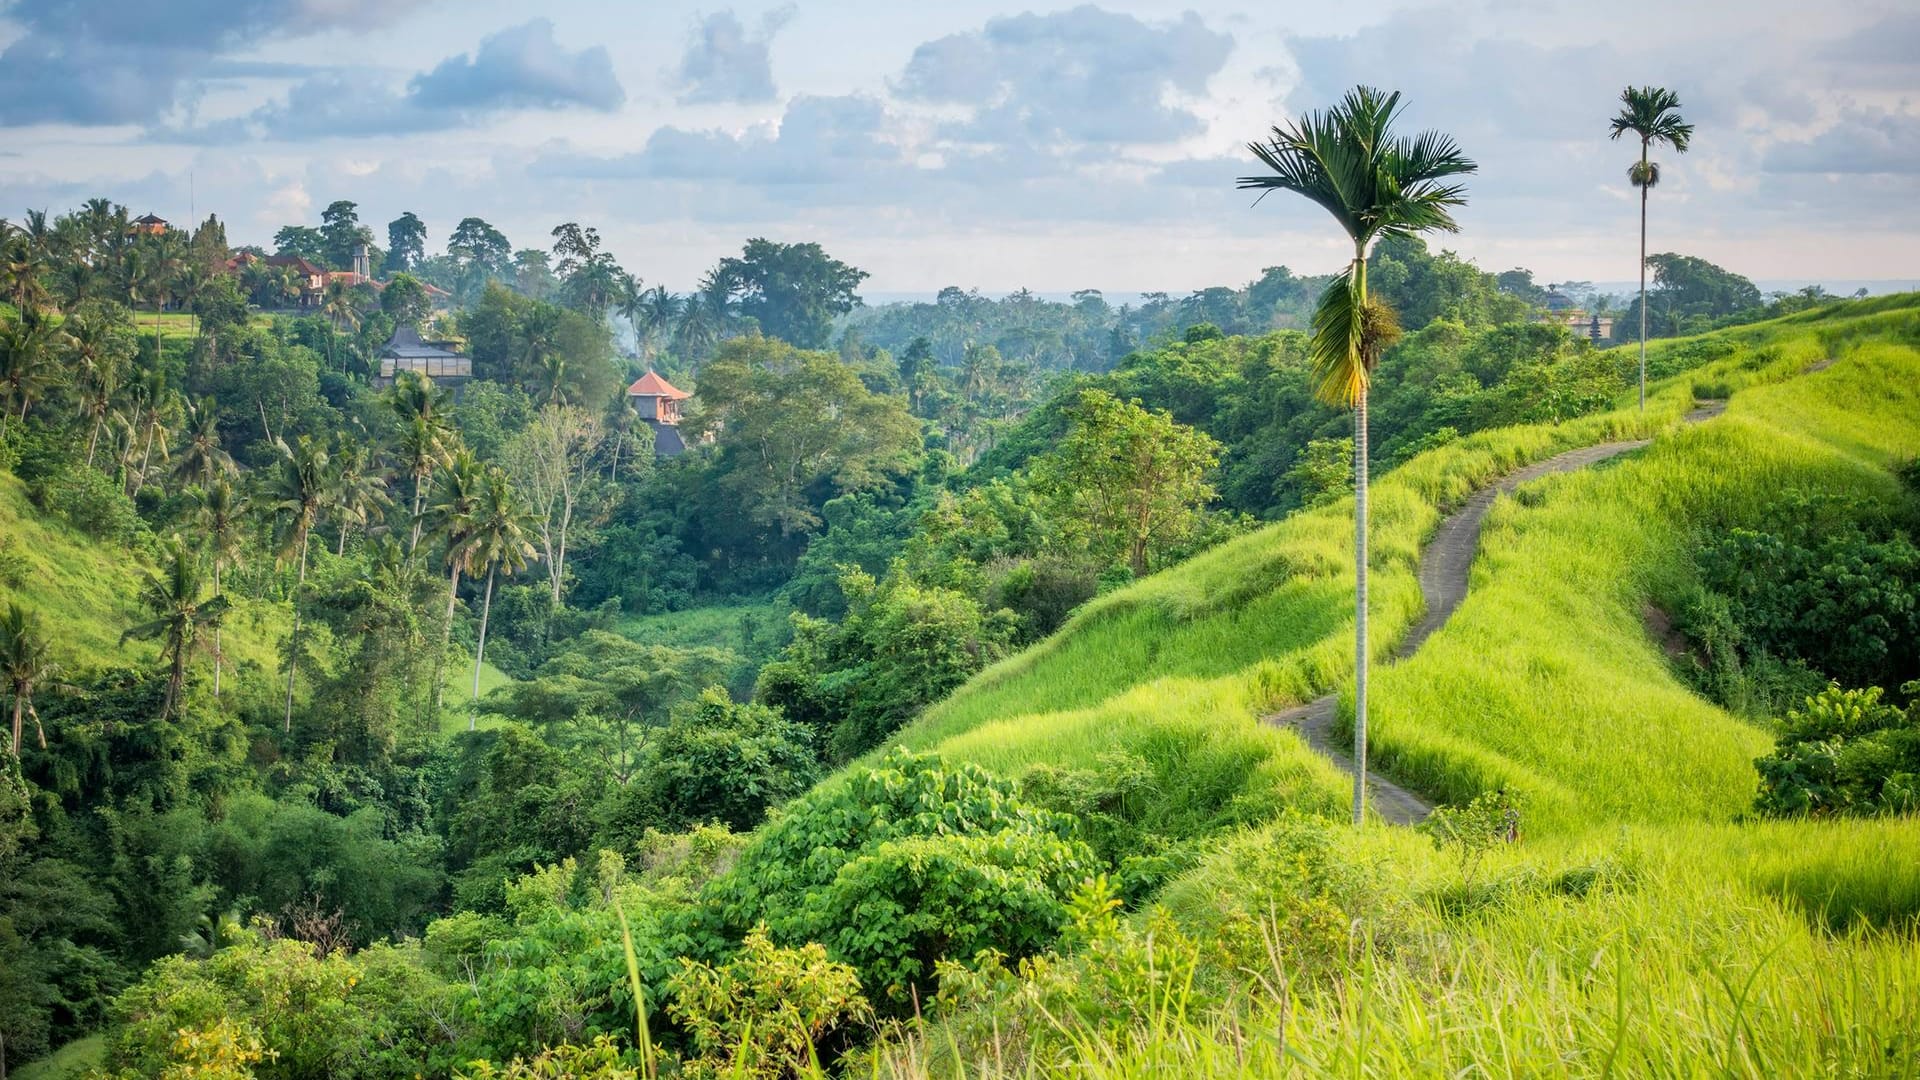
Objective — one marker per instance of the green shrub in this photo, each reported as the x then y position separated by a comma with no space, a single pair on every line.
1844,752
91,503
903,865
766,1013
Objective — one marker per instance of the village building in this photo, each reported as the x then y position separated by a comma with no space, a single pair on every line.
150,225
439,360
657,401
1567,312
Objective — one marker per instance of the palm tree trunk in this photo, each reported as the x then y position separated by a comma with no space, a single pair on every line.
93,441
480,650
293,643
1643,276
177,677
419,490
446,641
1360,572
216,634
1360,608
19,709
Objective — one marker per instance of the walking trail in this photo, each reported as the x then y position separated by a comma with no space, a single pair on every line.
1444,569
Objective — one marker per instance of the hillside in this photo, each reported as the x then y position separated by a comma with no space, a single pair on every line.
1547,684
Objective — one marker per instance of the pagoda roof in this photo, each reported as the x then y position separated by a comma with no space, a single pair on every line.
149,219
652,385
405,344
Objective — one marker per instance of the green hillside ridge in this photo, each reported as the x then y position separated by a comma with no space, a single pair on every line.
1720,938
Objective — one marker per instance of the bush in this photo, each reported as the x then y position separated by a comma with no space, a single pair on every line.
902,866
766,1013
716,761
1844,752
91,503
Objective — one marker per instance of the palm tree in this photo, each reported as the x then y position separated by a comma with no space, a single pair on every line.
26,367
1653,114
1375,184
455,499
339,310
662,308
26,661
201,459
221,517
98,353
424,434
359,491
496,539
179,611
630,301
297,490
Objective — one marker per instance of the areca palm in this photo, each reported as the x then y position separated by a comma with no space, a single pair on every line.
221,517
1376,184
297,491
180,611
26,662
201,460
498,537
1652,114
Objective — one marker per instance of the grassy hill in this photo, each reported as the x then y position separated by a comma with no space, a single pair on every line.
1775,948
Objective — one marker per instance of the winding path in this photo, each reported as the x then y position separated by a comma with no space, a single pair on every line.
1445,567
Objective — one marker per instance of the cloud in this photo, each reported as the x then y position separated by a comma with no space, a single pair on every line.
725,64
820,141
521,67
134,61
1862,141
1085,75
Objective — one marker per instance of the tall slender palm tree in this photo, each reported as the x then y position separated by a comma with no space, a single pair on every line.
100,353
1652,113
359,490
201,460
297,492
26,662
1375,184
425,435
174,598
499,538
451,514
630,302
221,520
340,311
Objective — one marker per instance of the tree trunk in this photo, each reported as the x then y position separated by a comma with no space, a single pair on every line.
480,649
1360,482
19,710
293,642
216,634
93,441
446,641
419,491
1643,276
177,678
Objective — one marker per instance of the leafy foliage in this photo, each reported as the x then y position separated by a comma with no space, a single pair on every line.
1844,752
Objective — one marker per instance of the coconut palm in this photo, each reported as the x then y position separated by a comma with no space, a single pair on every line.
99,352
27,368
1375,184
497,538
630,303
26,662
425,437
451,515
1653,114
174,598
340,311
221,519
297,493
359,490
201,460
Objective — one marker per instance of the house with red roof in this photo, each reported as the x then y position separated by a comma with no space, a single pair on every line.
658,403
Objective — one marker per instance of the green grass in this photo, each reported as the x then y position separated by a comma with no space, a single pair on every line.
716,625
1731,947
459,695
67,1063
87,593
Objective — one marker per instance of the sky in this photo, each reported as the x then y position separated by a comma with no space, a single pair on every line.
982,143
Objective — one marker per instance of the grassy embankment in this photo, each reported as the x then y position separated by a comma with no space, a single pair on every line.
1724,945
